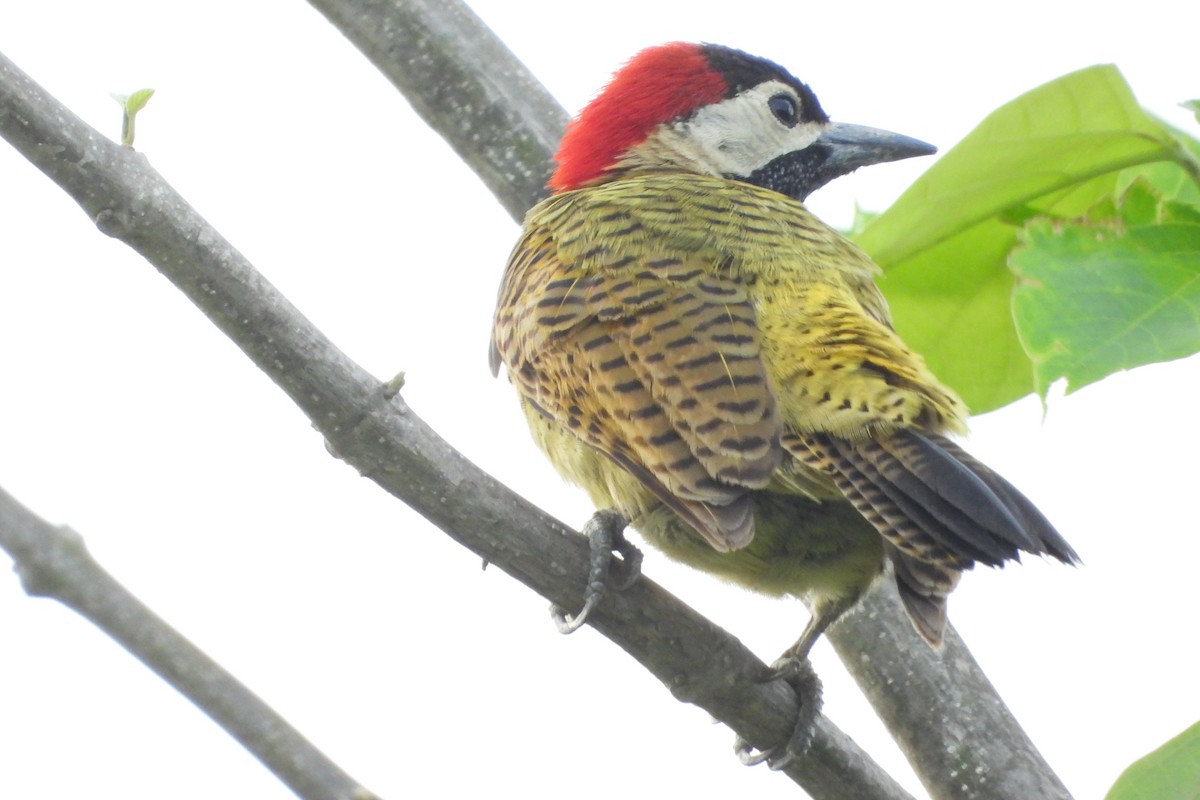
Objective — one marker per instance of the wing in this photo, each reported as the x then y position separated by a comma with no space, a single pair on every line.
931,500
939,510
649,354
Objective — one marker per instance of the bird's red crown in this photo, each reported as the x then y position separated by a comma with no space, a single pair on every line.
657,85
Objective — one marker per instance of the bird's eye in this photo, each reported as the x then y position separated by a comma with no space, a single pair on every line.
783,106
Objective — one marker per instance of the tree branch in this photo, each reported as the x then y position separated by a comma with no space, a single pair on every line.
466,85
940,707
387,442
53,562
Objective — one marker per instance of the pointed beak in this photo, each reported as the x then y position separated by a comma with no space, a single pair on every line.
839,150
854,146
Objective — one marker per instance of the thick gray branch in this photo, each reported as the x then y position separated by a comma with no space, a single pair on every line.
941,708
387,442
465,84
950,711
53,562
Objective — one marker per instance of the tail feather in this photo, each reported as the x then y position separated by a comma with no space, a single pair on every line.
944,494
923,589
953,492
939,510
1049,540
944,510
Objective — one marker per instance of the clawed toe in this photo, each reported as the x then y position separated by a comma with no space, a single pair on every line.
799,674
565,622
750,755
606,535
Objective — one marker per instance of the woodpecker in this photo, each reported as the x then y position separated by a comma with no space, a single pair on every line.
713,363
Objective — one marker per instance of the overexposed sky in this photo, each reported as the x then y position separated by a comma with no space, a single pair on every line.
129,417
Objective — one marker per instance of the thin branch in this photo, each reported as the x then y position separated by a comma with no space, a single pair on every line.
940,707
387,442
53,562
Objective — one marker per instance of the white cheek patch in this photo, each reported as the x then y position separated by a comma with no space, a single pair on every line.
740,135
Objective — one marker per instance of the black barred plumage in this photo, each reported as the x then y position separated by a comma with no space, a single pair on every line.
709,359
714,367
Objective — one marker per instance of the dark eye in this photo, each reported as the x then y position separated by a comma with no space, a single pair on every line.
783,106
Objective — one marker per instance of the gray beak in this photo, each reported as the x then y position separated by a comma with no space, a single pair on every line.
854,146
840,149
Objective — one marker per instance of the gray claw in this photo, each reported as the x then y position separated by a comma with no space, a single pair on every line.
799,674
569,624
605,533
747,755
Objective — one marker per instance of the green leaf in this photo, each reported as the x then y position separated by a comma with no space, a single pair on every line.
1092,300
137,101
131,104
1077,127
1057,152
1141,203
1172,772
944,297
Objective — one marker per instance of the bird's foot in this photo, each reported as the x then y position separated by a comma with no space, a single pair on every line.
799,674
606,535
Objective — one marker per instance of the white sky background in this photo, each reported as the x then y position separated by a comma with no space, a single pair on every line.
127,415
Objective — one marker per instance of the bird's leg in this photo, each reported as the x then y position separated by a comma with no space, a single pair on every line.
795,668
606,535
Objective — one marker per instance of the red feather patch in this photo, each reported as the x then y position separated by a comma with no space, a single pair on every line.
658,84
